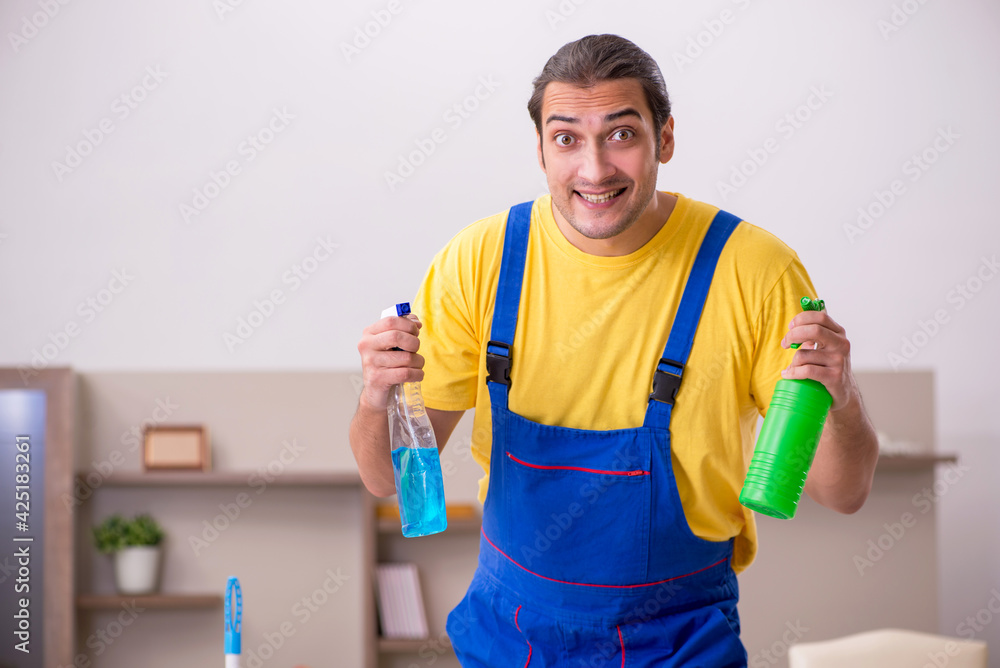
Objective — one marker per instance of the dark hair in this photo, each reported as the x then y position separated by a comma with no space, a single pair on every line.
596,58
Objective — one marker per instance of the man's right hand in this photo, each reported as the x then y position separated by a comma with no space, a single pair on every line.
383,367
389,357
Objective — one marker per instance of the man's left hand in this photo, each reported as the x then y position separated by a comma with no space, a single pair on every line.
824,355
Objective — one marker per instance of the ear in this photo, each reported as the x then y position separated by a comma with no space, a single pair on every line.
538,147
667,140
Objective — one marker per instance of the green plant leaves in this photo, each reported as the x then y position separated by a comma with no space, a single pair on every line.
116,533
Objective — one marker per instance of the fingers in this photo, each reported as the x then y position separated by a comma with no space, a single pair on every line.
389,357
816,335
819,357
379,380
820,372
834,379
824,356
821,318
408,325
394,359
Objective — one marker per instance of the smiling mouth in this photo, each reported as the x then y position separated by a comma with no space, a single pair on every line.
601,198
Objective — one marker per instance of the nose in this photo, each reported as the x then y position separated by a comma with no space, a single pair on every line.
595,166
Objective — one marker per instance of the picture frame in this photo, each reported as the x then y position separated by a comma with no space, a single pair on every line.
176,448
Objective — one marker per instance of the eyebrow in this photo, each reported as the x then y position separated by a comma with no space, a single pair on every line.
614,116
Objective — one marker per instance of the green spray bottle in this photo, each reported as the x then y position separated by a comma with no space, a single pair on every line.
787,442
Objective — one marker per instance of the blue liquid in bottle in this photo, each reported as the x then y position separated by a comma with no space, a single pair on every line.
420,489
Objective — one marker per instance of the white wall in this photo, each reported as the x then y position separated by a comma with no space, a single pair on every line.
62,236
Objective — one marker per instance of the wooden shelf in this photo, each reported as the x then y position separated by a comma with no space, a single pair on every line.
904,462
411,646
224,479
462,518
161,601
390,526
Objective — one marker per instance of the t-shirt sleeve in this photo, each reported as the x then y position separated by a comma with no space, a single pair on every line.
780,305
449,339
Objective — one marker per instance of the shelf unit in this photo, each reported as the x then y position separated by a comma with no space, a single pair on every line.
223,479
461,522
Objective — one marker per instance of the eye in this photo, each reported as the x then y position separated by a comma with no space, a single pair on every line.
563,139
622,135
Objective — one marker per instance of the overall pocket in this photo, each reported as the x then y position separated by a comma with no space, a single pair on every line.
577,503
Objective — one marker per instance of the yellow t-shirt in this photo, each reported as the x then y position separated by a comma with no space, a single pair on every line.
591,329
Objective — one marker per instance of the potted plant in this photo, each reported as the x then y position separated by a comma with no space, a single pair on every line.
134,544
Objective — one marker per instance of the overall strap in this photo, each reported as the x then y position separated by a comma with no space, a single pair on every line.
670,368
508,300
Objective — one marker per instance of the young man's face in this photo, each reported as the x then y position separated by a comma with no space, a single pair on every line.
598,150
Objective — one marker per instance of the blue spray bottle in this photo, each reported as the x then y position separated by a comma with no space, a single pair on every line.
416,464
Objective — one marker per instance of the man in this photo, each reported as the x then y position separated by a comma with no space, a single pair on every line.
612,526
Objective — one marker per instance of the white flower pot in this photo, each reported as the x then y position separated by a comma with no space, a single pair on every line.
137,570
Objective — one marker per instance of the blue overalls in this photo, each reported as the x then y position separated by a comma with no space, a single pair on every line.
586,558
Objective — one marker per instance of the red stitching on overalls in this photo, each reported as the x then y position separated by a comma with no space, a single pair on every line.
622,643
587,584
522,633
577,468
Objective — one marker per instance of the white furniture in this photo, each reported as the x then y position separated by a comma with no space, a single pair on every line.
889,648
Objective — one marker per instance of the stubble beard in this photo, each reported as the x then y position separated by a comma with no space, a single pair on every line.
640,199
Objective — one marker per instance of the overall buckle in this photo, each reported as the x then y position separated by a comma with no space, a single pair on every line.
498,358
665,383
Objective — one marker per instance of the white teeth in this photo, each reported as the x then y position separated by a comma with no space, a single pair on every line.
598,199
